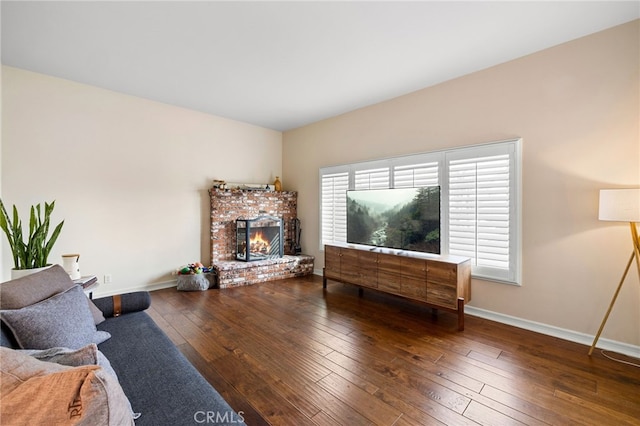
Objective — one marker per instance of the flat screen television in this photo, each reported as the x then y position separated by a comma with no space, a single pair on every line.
398,218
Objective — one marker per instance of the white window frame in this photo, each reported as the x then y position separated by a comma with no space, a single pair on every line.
513,147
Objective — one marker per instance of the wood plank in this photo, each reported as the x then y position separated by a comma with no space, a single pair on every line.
536,411
486,416
277,410
611,413
237,401
413,394
196,337
340,412
366,404
171,332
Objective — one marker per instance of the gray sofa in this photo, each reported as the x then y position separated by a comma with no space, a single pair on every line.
158,380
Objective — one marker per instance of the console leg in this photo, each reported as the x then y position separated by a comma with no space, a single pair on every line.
324,279
460,314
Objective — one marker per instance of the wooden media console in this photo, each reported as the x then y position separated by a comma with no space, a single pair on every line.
442,282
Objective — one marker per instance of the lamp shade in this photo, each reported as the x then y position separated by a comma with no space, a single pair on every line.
620,205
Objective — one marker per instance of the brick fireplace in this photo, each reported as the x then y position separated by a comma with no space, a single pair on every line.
228,205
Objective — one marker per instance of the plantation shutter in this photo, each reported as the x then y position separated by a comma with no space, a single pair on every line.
481,210
415,175
334,207
372,179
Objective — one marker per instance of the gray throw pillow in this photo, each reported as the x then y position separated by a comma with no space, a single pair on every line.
34,288
61,320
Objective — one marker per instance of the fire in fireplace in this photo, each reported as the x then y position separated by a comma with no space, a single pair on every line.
259,239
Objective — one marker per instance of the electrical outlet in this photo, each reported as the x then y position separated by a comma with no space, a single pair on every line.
107,278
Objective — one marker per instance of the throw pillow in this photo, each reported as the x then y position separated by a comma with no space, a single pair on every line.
62,320
34,288
38,392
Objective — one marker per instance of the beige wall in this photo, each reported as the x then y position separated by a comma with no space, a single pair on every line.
576,106
129,176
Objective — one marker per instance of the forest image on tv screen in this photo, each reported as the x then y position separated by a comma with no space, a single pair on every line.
401,218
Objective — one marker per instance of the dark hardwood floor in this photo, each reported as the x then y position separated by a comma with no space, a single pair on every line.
288,353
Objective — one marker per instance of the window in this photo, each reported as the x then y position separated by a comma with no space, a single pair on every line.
480,187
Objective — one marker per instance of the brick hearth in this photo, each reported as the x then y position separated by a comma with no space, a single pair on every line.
229,205
233,273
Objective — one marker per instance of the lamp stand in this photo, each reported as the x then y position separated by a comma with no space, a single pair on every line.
635,254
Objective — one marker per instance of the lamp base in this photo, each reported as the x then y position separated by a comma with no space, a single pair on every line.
636,255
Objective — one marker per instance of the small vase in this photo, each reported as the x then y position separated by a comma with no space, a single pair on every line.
71,265
277,185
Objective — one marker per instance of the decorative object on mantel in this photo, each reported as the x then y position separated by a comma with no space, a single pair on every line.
620,205
277,185
220,184
250,186
31,251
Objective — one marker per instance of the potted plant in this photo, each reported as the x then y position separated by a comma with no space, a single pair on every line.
30,252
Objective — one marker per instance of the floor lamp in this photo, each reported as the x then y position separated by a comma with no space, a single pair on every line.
620,205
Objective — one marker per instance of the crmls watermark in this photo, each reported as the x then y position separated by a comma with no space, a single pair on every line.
217,417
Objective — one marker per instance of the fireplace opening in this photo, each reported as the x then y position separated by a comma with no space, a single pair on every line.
259,239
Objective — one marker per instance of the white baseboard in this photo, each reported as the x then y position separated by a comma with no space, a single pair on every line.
103,291
550,330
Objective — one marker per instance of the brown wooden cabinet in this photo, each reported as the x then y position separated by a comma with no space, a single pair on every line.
442,282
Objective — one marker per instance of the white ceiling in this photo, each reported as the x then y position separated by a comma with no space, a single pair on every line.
282,65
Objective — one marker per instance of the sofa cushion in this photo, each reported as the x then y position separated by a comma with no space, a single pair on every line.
61,320
169,391
38,392
34,288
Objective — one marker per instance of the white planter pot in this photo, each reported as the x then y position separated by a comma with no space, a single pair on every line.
19,273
